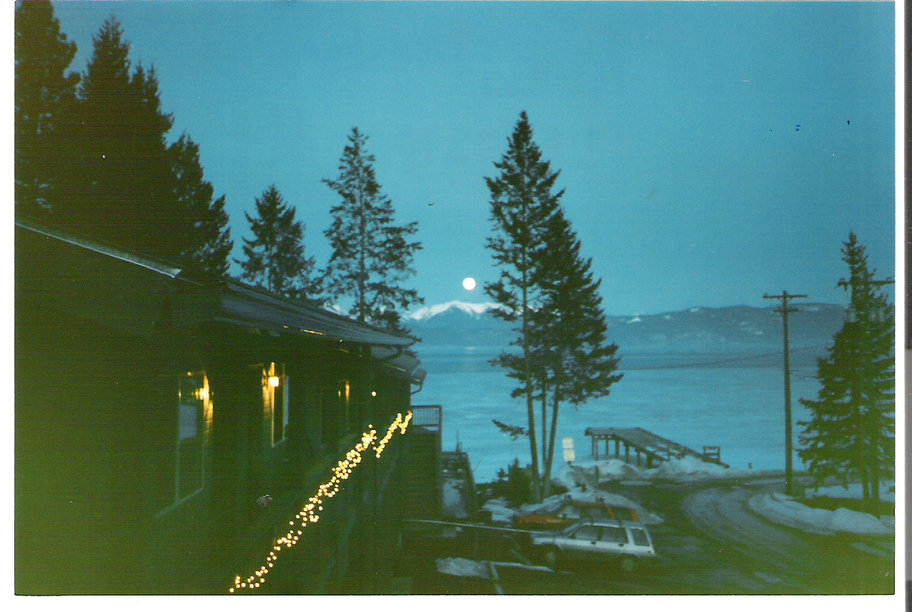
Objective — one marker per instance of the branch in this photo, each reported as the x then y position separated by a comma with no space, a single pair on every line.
514,431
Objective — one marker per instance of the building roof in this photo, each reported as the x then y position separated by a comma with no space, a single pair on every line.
199,298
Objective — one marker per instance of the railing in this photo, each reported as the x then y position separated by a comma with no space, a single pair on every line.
428,417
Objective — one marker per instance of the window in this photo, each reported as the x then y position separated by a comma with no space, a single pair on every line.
639,537
278,383
334,403
190,434
614,534
587,532
345,405
189,423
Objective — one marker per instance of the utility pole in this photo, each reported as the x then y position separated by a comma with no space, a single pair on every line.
785,296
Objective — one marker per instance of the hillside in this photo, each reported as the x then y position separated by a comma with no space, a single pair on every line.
730,330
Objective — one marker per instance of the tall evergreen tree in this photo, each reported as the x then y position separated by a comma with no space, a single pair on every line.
121,185
522,203
206,241
851,431
372,257
275,257
573,360
44,99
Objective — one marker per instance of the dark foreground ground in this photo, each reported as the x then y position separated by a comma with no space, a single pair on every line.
709,543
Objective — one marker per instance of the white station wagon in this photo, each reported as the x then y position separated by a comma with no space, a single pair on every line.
628,543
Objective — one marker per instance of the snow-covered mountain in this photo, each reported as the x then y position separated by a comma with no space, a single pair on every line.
733,329
471,309
459,324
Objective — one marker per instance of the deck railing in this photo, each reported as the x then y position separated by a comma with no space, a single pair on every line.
429,417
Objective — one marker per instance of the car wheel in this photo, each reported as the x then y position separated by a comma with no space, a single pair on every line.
551,557
628,565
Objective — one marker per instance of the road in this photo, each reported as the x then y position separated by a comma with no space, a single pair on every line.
710,543
797,561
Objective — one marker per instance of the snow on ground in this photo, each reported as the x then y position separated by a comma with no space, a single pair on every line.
457,566
784,510
500,510
587,473
852,491
552,503
454,505
581,478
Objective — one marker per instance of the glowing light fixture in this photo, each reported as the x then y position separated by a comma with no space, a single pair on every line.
273,381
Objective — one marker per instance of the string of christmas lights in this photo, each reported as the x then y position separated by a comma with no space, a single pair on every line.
309,514
401,423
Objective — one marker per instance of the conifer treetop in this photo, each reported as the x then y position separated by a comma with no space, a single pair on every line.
372,256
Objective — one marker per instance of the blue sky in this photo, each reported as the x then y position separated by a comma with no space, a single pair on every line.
710,152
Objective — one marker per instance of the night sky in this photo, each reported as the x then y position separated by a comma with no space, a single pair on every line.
710,153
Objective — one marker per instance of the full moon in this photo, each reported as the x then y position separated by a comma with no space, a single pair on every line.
468,283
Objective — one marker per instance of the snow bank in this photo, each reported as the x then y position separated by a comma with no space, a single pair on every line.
587,474
580,492
458,566
688,468
852,491
784,510
454,505
500,510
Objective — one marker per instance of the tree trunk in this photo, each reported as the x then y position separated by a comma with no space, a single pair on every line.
362,247
544,433
550,453
530,408
862,457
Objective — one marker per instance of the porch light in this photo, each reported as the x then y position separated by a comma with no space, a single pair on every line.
273,381
373,394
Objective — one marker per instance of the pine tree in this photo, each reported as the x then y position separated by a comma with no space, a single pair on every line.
522,203
44,99
573,360
275,257
372,257
851,431
206,243
121,185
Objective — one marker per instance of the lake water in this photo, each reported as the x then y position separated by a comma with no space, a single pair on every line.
694,399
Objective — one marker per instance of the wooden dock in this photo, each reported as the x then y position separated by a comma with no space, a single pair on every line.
646,446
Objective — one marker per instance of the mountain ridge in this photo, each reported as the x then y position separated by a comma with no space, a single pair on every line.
474,308
697,329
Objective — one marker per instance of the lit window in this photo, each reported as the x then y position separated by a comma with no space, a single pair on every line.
189,432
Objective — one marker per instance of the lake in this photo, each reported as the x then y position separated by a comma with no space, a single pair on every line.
697,400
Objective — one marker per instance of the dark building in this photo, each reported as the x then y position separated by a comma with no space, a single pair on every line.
168,425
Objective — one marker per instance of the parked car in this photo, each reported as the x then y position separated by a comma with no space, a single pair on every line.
628,544
569,512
